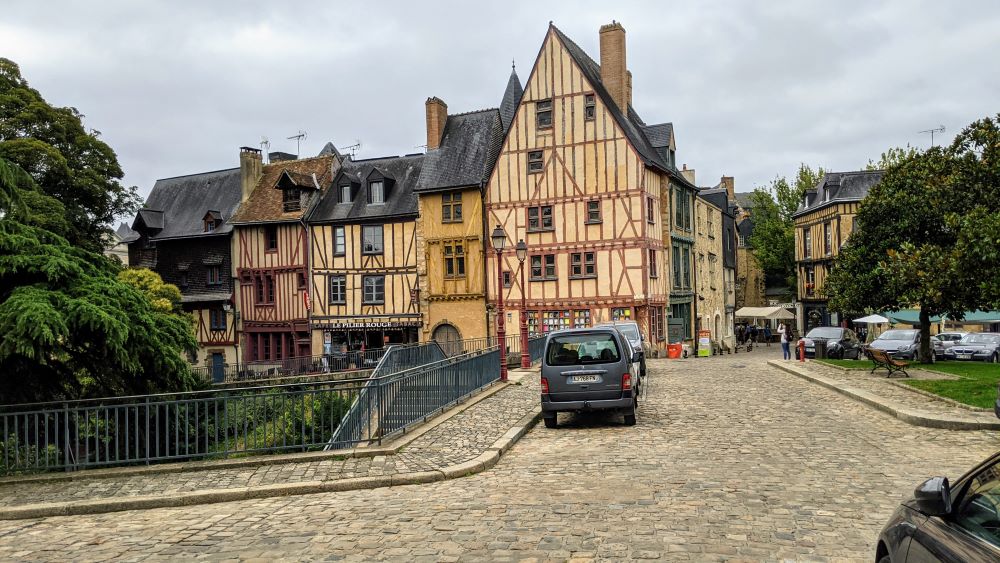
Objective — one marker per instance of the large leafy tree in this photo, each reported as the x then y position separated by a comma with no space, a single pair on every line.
926,235
165,297
773,237
66,161
69,328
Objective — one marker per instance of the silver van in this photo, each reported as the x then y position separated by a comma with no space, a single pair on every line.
589,369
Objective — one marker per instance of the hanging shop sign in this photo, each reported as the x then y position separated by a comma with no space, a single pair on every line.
366,325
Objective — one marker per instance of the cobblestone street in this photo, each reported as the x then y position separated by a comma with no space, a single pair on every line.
730,459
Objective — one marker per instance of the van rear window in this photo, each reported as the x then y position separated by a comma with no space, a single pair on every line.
577,349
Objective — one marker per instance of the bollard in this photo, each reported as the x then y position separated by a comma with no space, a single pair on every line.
802,351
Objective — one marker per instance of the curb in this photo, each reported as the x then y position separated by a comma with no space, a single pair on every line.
908,415
482,462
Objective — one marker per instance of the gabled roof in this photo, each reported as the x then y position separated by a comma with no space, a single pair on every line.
177,206
400,200
744,200
511,98
469,148
629,120
125,234
839,187
265,204
296,179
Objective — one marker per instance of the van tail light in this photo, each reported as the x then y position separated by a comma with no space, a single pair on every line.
627,381
545,386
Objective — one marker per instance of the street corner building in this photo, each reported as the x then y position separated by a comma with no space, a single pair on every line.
183,233
823,223
589,187
271,249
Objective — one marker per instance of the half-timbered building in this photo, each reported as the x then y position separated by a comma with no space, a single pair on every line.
184,234
823,222
461,150
362,235
585,183
270,245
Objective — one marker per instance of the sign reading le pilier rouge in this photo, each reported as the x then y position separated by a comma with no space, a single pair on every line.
366,325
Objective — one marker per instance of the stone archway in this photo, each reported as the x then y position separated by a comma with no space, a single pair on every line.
448,337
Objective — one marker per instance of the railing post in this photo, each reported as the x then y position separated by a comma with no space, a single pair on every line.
147,430
65,434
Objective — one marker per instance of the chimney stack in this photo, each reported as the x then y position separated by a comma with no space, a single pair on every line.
251,169
688,173
437,116
729,183
613,72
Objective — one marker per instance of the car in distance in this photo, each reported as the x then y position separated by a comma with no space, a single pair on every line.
949,339
982,346
899,343
589,369
841,343
937,347
945,521
631,331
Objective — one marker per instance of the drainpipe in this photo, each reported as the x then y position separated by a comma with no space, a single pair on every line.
486,258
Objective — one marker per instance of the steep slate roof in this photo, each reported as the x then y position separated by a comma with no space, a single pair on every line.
745,227
719,197
659,135
265,202
125,234
469,148
177,206
743,199
630,122
511,99
839,187
401,201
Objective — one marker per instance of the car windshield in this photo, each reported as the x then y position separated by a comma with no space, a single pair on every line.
583,348
898,335
629,331
825,332
980,339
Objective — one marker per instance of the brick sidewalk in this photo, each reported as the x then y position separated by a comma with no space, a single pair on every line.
458,439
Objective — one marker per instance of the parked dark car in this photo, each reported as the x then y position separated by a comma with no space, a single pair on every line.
841,343
589,369
981,346
899,343
947,522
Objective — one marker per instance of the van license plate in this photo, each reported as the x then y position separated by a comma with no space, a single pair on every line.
585,379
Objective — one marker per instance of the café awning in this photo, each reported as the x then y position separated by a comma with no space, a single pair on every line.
764,313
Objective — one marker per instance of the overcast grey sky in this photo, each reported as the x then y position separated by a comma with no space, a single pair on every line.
753,88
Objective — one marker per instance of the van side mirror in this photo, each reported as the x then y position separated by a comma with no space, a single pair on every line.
933,497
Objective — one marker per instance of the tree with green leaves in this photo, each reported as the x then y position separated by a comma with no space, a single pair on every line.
70,164
773,239
165,297
69,328
926,235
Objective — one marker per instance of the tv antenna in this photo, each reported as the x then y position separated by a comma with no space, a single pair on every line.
265,144
932,131
301,136
424,147
352,149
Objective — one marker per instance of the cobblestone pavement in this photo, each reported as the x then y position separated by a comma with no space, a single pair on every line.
731,459
458,439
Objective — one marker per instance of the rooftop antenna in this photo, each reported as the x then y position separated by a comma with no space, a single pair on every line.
265,144
352,149
424,147
301,136
932,131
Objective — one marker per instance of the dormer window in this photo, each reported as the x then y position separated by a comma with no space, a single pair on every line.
210,226
291,199
211,221
345,193
376,192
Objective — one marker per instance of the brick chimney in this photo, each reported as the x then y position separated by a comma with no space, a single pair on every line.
251,169
437,116
614,75
729,183
688,173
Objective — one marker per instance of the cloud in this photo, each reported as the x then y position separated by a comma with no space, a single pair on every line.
752,88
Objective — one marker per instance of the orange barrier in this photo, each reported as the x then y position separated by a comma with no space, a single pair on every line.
674,351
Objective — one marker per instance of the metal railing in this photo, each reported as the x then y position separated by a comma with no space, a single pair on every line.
301,365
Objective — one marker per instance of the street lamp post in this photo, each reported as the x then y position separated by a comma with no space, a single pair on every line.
499,239
521,249
226,306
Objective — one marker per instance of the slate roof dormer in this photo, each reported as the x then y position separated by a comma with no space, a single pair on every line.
469,148
400,199
176,207
839,187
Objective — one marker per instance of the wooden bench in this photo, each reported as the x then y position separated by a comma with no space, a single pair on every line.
882,360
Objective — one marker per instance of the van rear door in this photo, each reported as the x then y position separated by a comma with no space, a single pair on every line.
585,366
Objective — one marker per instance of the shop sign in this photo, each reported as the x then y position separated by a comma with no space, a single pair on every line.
704,343
366,325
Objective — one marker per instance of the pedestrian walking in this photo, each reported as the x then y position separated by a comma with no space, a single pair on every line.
783,331
767,335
